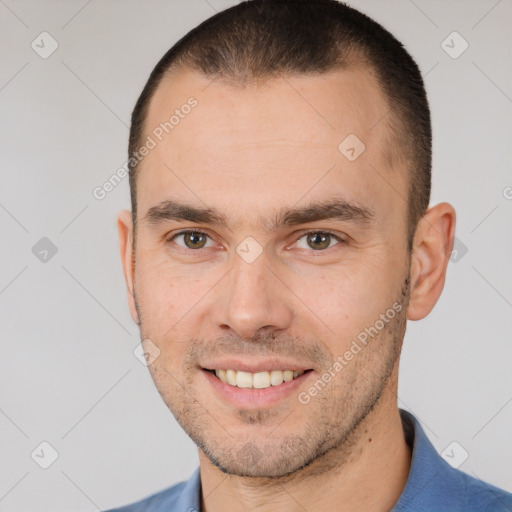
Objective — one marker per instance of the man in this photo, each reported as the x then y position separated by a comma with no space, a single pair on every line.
279,240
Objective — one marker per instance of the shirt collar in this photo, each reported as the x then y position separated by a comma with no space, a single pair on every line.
190,498
431,480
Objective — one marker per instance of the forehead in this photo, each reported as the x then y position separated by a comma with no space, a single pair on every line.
269,144
328,105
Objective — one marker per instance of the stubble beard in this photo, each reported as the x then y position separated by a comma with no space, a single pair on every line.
326,440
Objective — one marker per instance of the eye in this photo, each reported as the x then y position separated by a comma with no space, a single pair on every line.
191,239
317,240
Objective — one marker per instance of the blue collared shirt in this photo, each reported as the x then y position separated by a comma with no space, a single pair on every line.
432,485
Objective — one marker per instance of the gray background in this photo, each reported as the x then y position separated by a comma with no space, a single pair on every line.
67,369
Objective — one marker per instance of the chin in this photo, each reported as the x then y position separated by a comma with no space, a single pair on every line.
267,462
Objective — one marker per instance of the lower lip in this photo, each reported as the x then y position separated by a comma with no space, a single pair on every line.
251,397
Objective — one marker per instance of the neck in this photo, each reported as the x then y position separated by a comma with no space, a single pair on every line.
368,472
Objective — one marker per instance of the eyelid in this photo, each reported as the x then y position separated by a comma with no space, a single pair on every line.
297,236
170,237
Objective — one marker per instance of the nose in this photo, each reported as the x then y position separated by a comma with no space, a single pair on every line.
251,299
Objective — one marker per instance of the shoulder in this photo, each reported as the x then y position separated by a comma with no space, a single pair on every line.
435,486
180,497
155,502
478,495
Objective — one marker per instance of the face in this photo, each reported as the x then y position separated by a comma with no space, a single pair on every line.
269,255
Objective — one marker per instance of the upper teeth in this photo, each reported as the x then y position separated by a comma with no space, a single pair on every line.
257,380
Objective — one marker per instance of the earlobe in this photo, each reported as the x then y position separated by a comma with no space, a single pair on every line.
125,233
433,243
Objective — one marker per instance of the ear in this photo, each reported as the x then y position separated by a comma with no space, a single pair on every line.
125,231
432,247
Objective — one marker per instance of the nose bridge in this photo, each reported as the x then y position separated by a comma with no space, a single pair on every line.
252,298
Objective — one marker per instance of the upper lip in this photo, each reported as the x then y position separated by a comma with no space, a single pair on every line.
255,366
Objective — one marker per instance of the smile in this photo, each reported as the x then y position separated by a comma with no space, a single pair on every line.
258,380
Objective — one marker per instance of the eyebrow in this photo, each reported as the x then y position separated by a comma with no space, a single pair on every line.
335,209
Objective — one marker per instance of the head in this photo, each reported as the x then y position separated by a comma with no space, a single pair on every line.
291,140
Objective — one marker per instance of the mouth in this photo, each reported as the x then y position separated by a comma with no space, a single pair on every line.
257,380
250,382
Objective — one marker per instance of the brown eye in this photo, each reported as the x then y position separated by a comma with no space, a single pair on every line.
194,240
317,240
191,239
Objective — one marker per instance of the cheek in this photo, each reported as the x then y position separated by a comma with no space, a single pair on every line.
172,384
159,298
160,282
170,296
348,298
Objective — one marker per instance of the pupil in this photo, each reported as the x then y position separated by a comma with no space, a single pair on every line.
194,239
324,241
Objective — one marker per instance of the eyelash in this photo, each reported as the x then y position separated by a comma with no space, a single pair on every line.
341,241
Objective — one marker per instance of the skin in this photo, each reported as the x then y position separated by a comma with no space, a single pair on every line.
249,151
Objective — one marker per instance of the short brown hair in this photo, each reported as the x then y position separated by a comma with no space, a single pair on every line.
261,39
